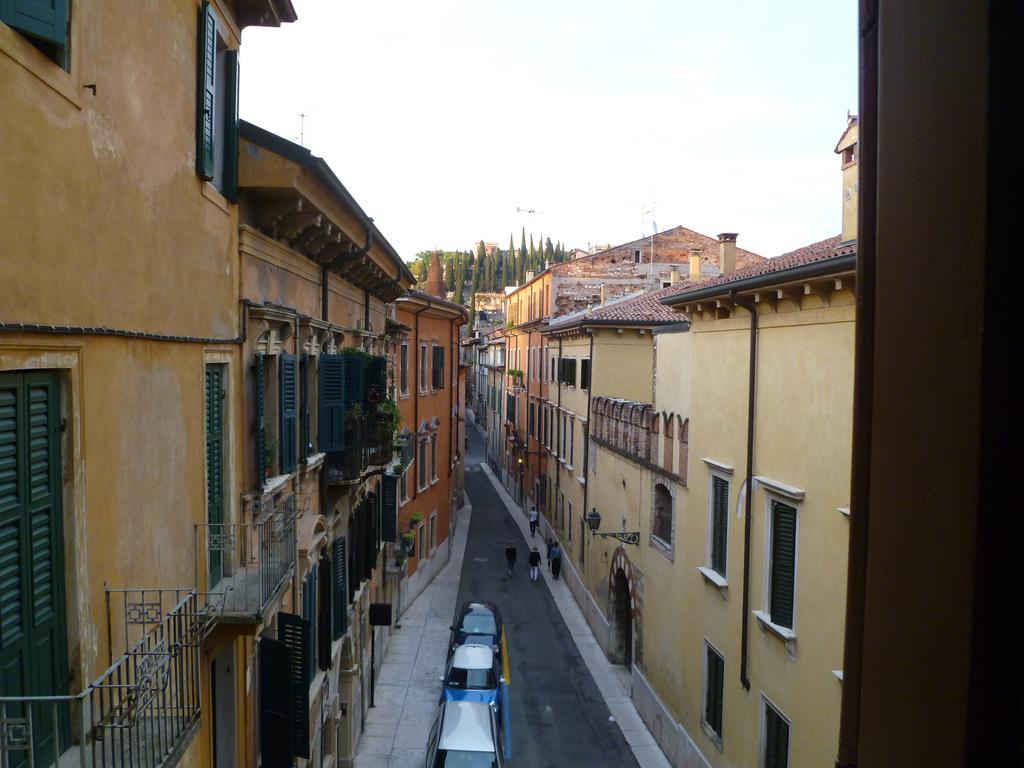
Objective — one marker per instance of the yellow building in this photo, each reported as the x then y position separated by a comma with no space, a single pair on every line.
728,603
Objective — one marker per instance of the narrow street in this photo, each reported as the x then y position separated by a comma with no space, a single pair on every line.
559,717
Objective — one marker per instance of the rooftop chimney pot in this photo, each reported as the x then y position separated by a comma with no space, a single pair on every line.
727,252
695,254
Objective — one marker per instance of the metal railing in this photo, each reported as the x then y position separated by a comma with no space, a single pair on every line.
140,712
248,563
369,442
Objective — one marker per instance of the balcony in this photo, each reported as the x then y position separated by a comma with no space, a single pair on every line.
369,444
249,564
142,711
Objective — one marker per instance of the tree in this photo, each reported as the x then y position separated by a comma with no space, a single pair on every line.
488,271
549,252
511,260
460,278
472,308
521,265
478,266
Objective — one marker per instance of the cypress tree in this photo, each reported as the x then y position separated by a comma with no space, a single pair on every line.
549,251
510,258
521,265
460,278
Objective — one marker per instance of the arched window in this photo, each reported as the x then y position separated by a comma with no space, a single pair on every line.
684,449
670,435
661,524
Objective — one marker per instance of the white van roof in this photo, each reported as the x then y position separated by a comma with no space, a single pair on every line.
466,726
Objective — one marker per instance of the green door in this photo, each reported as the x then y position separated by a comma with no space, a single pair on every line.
215,471
33,632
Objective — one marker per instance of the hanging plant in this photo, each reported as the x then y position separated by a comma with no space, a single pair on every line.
415,519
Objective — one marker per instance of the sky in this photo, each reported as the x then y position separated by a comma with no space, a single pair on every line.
444,117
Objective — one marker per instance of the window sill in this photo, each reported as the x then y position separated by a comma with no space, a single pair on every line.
785,633
404,396
275,483
22,52
314,460
581,479
710,733
845,511
714,578
838,673
210,193
662,546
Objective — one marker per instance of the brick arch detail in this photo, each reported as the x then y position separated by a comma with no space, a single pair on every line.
621,562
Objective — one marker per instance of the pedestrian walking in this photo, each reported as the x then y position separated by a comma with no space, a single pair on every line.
556,560
534,564
510,557
551,543
533,520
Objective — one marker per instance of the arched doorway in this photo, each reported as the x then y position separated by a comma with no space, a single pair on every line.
622,620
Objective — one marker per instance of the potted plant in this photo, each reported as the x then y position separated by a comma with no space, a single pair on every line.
415,519
408,542
269,454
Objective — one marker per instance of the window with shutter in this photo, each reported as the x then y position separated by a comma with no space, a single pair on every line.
437,367
585,373
305,430
44,22
389,508
783,563
714,682
340,588
33,622
423,367
231,86
403,369
293,631
776,738
354,381
325,601
719,523
369,514
277,744
289,405
309,594
376,379
331,405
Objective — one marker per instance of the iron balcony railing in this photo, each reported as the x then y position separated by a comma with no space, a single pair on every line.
142,711
369,443
247,564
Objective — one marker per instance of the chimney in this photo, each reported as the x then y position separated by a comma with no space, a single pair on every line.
529,275
435,277
695,253
603,294
727,252
673,276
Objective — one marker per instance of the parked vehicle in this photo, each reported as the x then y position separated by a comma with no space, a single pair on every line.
477,623
473,674
465,734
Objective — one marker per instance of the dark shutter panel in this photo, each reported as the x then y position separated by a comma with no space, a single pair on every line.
389,508
289,411
332,403
207,70
309,592
377,377
276,702
776,746
783,563
715,686
293,631
354,381
354,548
369,536
720,524
215,464
231,127
340,589
47,19
304,433
259,425
325,582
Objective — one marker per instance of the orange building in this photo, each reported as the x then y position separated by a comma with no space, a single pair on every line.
427,376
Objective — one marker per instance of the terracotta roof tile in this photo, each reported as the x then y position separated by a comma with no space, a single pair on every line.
637,308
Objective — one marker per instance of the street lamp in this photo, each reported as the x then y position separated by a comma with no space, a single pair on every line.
593,518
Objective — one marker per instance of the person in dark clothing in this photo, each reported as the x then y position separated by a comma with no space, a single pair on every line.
533,520
556,560
534,564
551,543
510,557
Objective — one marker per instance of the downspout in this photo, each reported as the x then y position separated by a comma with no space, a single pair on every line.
416,399
366,310
324,293
752,365
558,419
586,443
526,414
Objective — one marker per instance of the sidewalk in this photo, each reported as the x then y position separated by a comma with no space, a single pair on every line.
396,730
612,680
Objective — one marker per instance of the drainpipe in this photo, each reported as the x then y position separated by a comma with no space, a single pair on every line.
752,365
586,444
558,418
324,293
366,310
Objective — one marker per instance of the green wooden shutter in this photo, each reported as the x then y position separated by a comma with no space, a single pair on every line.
33,622
354,381
720,524
293,630
369,513
289,411
46,19
332,403
776,741
259,423
389,508
783,563
309,592
205,98
231,127
714,694
340,589
305,447
276,702
325,586
215,464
